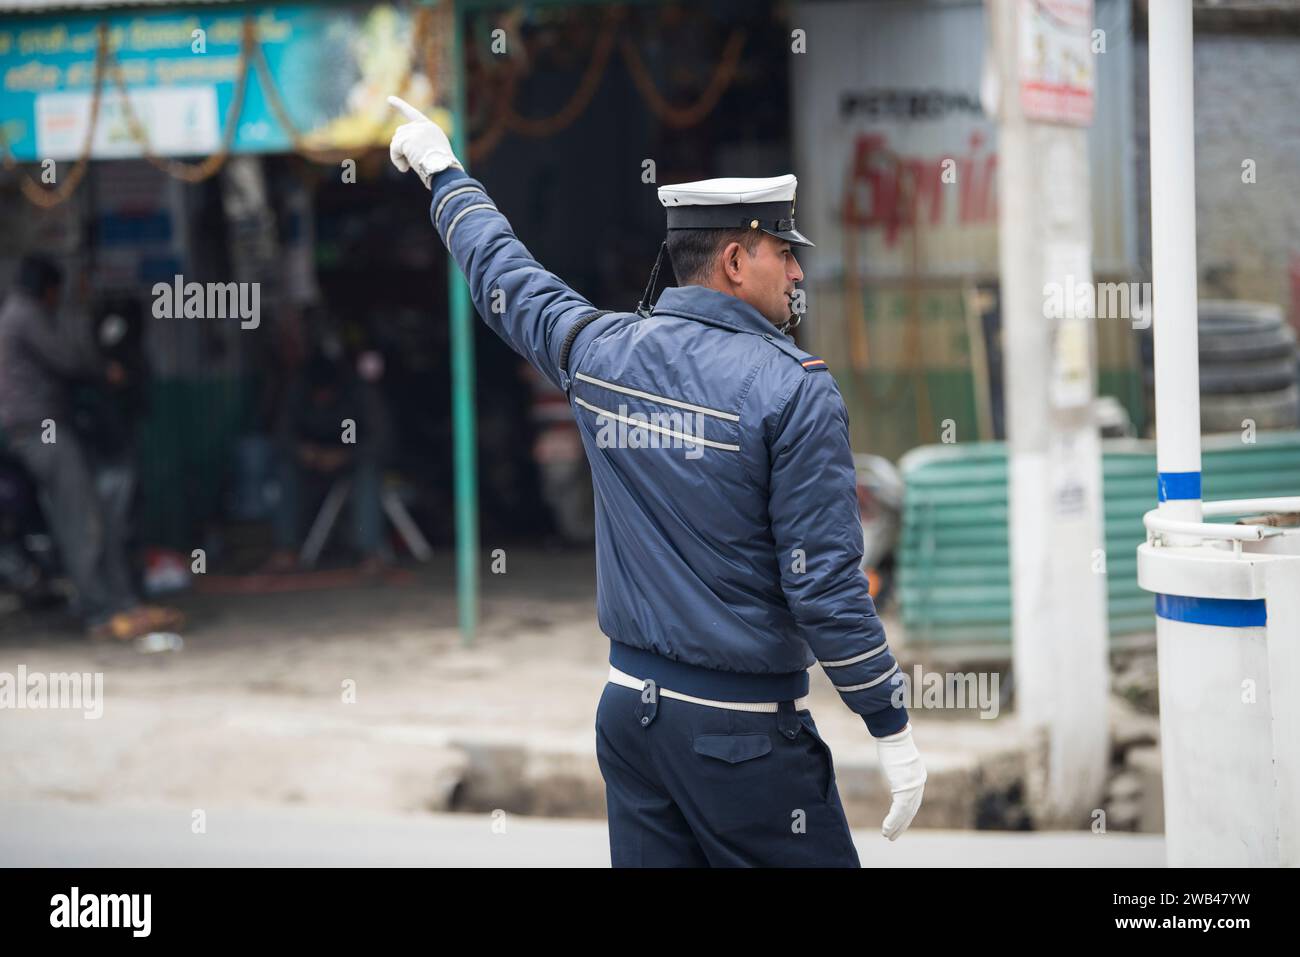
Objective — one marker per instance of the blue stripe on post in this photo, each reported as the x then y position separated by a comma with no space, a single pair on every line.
1172,486
1224,612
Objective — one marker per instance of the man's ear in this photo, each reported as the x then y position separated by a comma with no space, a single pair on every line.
731,261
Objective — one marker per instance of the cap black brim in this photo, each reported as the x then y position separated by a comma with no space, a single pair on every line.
792,236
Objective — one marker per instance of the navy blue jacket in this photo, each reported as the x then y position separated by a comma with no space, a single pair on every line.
728,539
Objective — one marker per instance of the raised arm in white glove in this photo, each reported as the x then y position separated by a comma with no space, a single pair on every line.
905,774
420,144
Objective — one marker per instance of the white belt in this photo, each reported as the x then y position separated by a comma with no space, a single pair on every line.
627,681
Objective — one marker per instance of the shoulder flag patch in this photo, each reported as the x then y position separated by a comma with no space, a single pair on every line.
810,362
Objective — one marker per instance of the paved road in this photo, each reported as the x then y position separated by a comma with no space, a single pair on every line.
52,833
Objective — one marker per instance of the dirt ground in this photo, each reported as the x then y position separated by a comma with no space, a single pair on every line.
254,707
362,696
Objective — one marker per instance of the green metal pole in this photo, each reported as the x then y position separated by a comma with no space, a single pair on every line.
462,379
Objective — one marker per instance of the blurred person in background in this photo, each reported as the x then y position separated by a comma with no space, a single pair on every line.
40,366
317,448
564,477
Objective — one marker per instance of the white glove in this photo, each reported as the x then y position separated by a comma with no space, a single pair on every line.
905,774
420,144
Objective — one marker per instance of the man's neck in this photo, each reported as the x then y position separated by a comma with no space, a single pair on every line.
727,289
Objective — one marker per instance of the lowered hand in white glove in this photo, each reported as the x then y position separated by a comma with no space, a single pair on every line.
905,774
420,144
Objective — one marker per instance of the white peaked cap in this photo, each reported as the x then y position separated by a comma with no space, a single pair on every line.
729,191
735,203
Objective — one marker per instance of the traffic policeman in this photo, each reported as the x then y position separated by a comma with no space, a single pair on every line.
728,537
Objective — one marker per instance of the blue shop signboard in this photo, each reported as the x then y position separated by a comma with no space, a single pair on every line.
170,80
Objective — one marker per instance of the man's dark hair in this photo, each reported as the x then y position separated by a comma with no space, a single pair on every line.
692,251
38,274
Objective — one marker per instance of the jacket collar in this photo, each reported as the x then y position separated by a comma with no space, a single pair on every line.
713,307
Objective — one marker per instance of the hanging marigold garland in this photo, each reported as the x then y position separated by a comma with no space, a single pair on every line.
47,198
504,120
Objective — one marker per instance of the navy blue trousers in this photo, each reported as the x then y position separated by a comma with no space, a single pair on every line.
689,785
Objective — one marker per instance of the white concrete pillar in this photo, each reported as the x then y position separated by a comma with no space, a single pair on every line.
1058,584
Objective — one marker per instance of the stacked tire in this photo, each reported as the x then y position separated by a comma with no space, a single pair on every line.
1248,367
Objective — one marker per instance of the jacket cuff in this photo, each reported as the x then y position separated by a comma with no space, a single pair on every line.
443,177
885,722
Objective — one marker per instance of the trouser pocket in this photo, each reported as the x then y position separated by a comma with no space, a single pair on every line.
734,748
823,751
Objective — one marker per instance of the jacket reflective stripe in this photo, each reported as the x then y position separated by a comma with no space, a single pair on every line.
692,439
461,215
656,398
842,689
437,214
856,658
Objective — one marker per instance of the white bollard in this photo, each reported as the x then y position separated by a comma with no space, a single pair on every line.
1228,641
1227,596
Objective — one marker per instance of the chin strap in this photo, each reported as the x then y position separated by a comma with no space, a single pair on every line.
643,307
789,324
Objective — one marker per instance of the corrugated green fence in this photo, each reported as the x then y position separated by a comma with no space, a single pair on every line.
954,580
